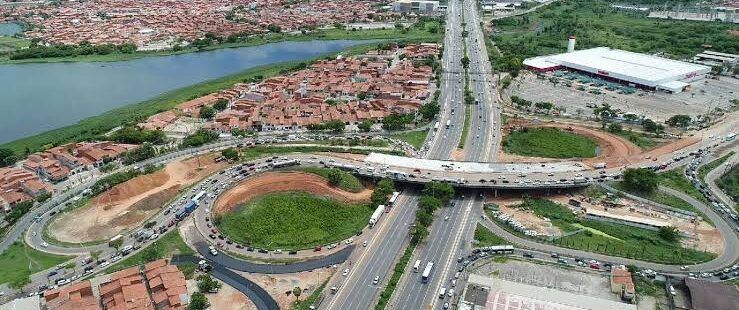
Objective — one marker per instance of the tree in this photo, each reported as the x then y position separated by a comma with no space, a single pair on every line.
206,284
96,254
274,28
669,233
441,191
221,104
334,177
679,120
429,110
7,157
362,96
297,291
116,244
396,121
207,112
650,126
544,105
230,154
198,302
615,128
640,179
71,265
365,125
335,126
419,233
465,61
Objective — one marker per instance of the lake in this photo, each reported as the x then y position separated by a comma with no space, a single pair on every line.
39,97
9,29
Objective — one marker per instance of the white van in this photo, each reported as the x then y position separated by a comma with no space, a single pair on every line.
417,265
442,292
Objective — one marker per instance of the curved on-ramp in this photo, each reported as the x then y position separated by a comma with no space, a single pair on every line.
728,257
256,293
247,266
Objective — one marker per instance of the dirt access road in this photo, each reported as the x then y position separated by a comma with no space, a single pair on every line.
130,203
282,182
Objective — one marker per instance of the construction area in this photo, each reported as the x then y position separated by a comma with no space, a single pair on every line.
130,203
578,95
698,234
512,283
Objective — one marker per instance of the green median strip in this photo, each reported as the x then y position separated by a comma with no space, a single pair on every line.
395,278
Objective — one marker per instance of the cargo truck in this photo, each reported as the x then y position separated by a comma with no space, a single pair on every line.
376,215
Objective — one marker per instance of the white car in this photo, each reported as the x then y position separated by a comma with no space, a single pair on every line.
375,280
349,241
364,243
346,272
212,251
44,244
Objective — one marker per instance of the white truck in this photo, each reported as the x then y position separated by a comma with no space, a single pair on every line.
376,215
599,166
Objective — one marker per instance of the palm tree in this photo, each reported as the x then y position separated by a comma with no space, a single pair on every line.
297,291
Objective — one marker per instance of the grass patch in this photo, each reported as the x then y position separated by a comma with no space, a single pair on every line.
644,286
676,180
293,220
20,261
484,237
612,239
349,182
466,126
306,303
549,142
394,278
10,43
415,138
165,247
595,231
705,169
641,140
729,183
659,197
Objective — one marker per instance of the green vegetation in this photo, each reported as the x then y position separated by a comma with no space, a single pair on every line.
166,246
484,237
548,142
705,169
659,197
398,121
648,287
640,180
136,135
613,239
641,140
18,211
7,157
293,220
387,292
415,138
676,180
433,196
344,180
20,261
335,126
382,192
729,183
466,128
200,137
198,301
546,30
11,43
306,303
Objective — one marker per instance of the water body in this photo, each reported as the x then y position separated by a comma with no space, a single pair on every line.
38,97
9,29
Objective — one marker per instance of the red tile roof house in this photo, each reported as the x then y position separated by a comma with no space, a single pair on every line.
77,296
167,284
19,185
9,199
126,290
159,120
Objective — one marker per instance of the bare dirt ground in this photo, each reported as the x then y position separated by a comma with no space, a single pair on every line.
129,204
526,217
226,298
278,285
281,182
457,154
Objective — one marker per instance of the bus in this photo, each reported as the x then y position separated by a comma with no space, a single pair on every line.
436,126
417,265
394,198
196,198
427,272
114,239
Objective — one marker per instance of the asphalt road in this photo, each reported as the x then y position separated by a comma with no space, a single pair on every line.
356,290
716,173
241,265
256,294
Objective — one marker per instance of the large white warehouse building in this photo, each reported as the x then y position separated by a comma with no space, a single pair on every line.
639,70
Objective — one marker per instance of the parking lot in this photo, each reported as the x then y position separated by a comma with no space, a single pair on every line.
698,99
551,276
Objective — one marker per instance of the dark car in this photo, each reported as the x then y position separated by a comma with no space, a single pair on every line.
250,249
263,251
528,255
212,236
239,246
293,252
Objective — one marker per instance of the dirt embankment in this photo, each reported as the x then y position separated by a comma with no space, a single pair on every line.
615,151
130,203
281,182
